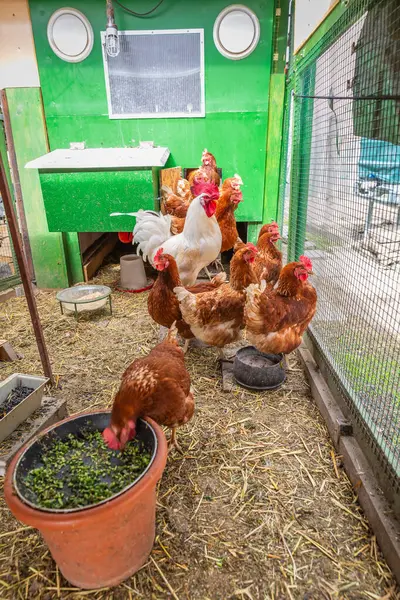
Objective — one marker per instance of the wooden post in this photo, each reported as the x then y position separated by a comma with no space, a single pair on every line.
26,282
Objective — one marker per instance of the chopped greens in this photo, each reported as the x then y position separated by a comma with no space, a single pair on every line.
78,471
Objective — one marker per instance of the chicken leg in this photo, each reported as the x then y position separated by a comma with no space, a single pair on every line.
186,346
173,441
218,264
207,272
219,267
287,362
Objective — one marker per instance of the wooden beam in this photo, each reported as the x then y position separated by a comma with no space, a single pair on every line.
23,269
96,257
7,352
377,509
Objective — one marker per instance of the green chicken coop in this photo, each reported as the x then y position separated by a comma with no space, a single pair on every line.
113,109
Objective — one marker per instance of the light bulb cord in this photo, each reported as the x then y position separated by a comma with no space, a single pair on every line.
136,14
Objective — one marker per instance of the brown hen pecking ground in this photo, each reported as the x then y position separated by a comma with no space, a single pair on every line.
255,509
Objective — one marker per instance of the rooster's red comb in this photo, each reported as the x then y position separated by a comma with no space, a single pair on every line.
205,187
251,247
274,224
306,262
158,254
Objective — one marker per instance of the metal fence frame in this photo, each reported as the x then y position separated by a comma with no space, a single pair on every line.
296,162
300,82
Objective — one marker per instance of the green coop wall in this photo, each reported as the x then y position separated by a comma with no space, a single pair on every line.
237,95
56,256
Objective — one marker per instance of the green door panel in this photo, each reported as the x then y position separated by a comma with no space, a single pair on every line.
83,200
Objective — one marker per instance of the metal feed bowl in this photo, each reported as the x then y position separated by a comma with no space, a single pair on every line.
255,370
84,298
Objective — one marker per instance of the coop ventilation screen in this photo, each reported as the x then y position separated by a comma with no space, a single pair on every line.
156,74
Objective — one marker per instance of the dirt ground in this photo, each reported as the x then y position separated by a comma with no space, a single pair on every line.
257,508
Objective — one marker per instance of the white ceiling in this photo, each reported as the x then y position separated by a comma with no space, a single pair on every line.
308,14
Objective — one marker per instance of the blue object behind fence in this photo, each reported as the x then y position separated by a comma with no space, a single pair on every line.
380,159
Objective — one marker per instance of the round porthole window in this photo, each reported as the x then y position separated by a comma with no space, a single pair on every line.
70,35
236,31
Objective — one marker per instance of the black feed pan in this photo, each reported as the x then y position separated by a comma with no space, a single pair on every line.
255,370
97,421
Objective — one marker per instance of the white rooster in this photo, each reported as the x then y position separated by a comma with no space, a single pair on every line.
197,246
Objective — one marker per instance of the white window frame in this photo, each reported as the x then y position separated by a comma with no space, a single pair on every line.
196,115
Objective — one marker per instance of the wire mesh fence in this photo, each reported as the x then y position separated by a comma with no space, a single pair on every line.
343,209
9,273
8,270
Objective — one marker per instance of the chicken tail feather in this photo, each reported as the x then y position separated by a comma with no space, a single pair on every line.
252,306
172,334
167,189
181,293
253,292
187,302
152,229
218,279
119,214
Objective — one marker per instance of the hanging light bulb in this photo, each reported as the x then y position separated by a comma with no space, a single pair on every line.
112,37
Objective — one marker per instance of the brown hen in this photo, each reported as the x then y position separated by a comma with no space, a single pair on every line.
207,170
163,304
217,317
268,262
156,386
177,204
276,319
228,202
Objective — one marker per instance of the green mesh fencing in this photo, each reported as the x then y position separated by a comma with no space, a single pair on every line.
340,191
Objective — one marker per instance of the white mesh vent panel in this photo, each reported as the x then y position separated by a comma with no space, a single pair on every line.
156,75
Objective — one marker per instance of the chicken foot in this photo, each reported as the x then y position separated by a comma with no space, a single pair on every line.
218,264
173,443
219,267
286,361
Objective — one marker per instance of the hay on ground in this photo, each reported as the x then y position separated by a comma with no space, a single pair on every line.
258,508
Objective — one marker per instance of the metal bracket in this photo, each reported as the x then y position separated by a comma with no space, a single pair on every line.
77,146
345,428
